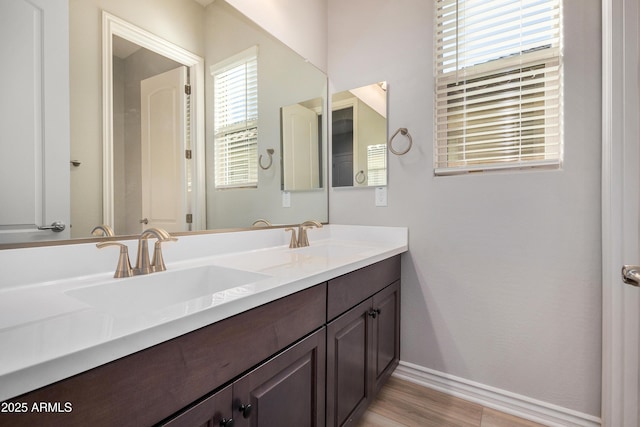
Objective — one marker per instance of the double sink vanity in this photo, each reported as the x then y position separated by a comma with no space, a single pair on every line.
239,330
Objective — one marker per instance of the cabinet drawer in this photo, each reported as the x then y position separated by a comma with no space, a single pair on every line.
350,289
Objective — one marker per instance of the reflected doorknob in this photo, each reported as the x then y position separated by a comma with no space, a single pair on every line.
631,275
56,226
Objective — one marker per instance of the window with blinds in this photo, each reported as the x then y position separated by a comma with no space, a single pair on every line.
498,85
235,83
377,164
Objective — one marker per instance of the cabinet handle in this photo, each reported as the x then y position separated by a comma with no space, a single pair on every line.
246,410
227,422
373,313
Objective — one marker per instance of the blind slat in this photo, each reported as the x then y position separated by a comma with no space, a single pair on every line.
498,84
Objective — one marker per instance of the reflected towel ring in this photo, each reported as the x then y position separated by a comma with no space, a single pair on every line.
270,152
406,133
361,177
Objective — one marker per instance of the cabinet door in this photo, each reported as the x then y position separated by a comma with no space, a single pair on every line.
386,334
214,411
286,391
348,359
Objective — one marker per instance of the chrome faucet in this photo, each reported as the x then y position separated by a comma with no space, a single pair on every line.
103,229
303,240
143,264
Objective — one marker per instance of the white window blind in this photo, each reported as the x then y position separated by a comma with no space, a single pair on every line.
498,85
235,82
376,164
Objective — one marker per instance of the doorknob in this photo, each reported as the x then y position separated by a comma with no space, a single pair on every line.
631,275
144,221
56,226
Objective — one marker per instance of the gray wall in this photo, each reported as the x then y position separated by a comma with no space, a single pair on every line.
502,284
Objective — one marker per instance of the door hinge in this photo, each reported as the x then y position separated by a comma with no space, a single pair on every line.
189,218
187,154
187,89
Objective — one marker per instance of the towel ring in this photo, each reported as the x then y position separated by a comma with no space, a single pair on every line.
361,177
406,133
270,152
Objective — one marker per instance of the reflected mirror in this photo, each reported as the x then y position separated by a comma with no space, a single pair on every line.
359,137
107,181
301,145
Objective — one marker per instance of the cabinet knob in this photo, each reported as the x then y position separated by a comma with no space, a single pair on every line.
245,410
373,313
227,422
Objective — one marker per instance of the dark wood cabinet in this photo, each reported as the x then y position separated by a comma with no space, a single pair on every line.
385,355
363,343
363,349
316,357
214,411
349,340
287,391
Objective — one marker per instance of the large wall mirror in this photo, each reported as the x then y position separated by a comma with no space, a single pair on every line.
359,137
135,165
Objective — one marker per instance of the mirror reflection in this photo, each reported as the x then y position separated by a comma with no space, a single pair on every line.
107,180
359,137
301,145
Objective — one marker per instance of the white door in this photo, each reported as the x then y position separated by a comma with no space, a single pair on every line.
164,195
34,119
621,214
300,148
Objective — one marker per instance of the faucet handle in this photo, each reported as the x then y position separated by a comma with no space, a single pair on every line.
158,260
124,265
294,241
303,237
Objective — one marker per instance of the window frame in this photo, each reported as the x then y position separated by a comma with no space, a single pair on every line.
450,78
245,130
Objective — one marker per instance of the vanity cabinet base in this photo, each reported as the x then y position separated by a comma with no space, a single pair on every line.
314,358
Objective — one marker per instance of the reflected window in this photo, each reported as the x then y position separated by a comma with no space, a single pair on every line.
377,164
235,82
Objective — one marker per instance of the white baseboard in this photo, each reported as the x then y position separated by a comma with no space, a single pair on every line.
491,397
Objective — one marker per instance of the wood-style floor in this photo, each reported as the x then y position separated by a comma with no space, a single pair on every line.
402,403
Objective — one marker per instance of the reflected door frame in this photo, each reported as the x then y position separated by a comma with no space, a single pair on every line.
112,25
620,212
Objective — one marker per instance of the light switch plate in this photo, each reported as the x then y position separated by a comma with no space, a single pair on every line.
286,199
381,196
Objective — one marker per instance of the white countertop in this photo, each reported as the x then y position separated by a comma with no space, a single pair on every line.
48,334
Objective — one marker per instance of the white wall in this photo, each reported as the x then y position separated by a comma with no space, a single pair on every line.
302,25
178,21
502,285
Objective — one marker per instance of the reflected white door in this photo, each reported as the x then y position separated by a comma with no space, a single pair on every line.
621,213
34,119
163,110
300,148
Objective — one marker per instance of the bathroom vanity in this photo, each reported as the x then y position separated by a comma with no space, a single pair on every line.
309,344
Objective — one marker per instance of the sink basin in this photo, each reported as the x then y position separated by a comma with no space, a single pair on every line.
164,289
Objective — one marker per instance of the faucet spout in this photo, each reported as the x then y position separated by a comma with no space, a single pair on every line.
143,263
303,239
103,229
